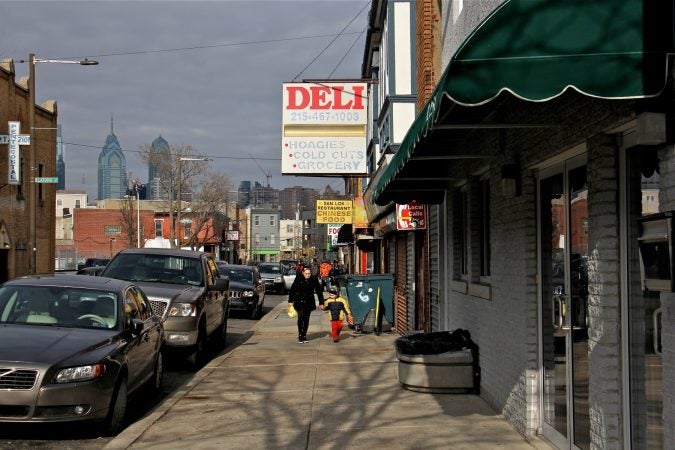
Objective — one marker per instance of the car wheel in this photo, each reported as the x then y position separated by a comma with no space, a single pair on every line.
157,375
197,357
118,409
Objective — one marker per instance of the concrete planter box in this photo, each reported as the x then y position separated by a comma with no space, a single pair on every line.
450,372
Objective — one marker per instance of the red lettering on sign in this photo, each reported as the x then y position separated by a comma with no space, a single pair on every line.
293,101
324,97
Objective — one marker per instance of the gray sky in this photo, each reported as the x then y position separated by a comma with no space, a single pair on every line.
206,74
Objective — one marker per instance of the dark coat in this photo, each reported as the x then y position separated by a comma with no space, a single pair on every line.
302,293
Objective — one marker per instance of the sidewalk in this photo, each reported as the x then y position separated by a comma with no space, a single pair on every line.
273,393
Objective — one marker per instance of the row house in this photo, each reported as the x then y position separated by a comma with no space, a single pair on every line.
541,147
102,231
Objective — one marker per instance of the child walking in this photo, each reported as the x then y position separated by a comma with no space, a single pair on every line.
338,308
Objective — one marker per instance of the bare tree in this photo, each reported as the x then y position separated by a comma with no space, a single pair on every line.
208,209
176,173
128,220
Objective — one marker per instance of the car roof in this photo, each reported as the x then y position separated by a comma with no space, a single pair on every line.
69,281
240,267
165,251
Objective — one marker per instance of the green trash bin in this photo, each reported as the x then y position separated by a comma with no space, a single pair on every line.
362,295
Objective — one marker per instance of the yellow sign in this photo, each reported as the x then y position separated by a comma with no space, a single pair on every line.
334,211
360,216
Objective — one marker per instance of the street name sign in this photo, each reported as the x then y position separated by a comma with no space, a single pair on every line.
14,139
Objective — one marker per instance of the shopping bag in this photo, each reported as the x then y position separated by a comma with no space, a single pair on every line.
292,313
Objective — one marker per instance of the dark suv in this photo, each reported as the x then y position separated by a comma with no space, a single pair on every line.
185,289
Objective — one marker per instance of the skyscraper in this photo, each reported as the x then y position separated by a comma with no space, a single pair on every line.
155,191
60,160
112,169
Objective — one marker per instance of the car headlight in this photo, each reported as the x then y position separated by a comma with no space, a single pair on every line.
278,280
182,310
81,373
248,294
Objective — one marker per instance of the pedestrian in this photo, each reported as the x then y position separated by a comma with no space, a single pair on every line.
301,297
338,309
324,272
314,266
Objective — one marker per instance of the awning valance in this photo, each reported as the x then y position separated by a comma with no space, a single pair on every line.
536,51
345,234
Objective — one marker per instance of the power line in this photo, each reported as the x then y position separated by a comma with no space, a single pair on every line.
332,41
202,47
347,52
99,147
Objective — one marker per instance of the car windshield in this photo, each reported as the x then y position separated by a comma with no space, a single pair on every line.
239,275
270,268
155,268
58,306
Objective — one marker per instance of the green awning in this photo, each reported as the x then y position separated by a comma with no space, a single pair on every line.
536,51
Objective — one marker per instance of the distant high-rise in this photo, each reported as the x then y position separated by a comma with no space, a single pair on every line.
155,191
60,160
244,194
292,197
112,169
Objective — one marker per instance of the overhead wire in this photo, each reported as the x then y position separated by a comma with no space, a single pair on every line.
341,33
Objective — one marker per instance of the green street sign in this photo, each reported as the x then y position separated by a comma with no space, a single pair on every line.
46,179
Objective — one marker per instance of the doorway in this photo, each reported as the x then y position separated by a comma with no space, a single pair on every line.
563,247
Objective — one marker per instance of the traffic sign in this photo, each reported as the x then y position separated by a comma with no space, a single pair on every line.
46,179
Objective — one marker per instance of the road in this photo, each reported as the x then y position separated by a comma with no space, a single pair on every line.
84,436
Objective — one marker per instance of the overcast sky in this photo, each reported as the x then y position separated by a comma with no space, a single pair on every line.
206,74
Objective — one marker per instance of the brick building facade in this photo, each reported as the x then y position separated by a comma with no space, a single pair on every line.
16,250
535,197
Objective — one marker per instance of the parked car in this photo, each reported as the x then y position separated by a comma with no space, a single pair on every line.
289,263
91,262
185,289
272,276
247,293
289,277
93,270
74,348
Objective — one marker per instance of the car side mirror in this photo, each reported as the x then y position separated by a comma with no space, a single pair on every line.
221,284
136,327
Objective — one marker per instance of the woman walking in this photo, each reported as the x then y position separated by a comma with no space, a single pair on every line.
301,297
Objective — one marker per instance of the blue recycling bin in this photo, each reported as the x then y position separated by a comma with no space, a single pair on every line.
362,294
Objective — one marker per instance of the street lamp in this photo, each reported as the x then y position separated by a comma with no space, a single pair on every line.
180,183
137,187
32,159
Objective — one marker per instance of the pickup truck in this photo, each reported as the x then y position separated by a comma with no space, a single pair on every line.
185,289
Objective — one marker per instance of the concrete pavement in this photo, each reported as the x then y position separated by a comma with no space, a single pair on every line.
273,393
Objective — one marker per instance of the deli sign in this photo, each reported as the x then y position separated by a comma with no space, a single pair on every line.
315,97
324,129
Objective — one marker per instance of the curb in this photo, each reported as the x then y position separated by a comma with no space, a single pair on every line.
134,431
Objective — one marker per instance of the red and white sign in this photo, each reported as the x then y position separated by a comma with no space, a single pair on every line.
324,129
333,231
410,217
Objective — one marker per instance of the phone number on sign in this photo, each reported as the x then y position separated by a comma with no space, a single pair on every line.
326,116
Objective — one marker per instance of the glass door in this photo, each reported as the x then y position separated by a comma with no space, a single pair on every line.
644,308
563,222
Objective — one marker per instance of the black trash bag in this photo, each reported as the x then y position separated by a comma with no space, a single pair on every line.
435,343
